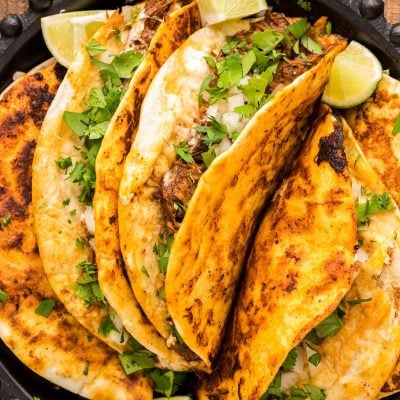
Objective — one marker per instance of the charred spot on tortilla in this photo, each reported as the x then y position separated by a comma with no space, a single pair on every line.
332,151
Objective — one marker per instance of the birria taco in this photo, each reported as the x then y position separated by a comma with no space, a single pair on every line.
219,125
121,58
292,321
33,323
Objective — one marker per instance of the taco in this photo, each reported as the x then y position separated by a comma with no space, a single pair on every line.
109,167
33,323
375,125
65,159
345,350
185,219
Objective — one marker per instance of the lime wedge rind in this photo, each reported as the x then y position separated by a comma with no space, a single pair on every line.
353,78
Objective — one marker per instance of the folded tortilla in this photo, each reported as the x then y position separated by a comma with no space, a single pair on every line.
59,215
299,269
356,361
210,243
109,166
373,124
57,348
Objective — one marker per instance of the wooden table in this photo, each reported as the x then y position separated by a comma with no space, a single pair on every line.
392,8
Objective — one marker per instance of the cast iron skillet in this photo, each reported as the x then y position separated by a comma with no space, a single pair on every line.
27,49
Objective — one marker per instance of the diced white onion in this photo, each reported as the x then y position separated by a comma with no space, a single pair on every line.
89,219
356,187
17,74
235,101
213,110
232,121
223,146
361,255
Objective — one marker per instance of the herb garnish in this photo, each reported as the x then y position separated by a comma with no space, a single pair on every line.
183,151
162,249
396,127
5,220
290,360
3,296
107,325
358,301
45,307
375,204
94,48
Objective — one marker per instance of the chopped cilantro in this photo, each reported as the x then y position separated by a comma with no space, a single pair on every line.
79,243
274,388
215,132
64,163
136,360
87,287
86,369
315,358
66,202
311,45
231,71
248,61
94,48
328,28
299,28
144,270
162,249
177,334
72,213
297,394
45,307
246,110
118,35
107,326
204,86
358,301
166,382
290,360
330,326
208,157
126,62
396,127
5,220
304,4
160,293
376,204
179,207
3,296
183,151
315,393
267,40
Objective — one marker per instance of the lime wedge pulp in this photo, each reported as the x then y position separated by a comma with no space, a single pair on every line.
353,78
66,33
214,11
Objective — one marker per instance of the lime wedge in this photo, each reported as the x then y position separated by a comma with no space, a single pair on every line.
353,78
66,33
213,11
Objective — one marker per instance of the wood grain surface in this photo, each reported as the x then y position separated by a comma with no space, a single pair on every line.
392,8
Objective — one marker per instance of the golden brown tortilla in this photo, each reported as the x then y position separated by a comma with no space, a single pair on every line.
109,166
300,267
57,347
58,226
209,248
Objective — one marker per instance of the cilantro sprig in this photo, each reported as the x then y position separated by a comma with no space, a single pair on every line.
162,250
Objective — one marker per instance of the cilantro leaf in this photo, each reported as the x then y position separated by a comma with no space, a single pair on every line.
166,382
328,28
144,271
255,89
204,85
297,394
3,296
96,98
246,110
125,63
396,127
311,45
299,28
358,301
215,132
315,358
162,249
208,157
107,326
45,307
377,203
274,388
248,61
183,151
290,360
5,220
304,4
231,73
94,48
64,163
315,393
136,360
77,122
267,40
330,326
177,334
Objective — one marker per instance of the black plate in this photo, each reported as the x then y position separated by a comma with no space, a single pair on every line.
17,382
